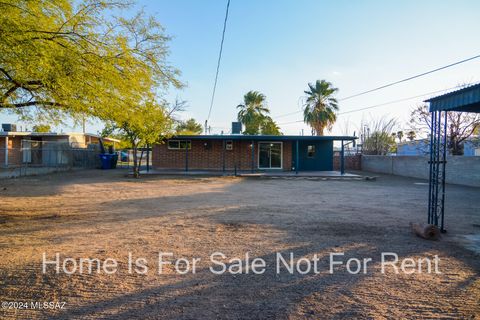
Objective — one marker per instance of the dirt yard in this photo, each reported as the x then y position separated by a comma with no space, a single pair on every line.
95,214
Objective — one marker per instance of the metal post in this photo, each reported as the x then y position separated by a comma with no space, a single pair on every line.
297,164
442,224
342,160
148,156
430,180
186,155
253,156
435,169
223,156
437,160
6,151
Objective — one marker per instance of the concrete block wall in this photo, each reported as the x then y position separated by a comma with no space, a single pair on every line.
460,169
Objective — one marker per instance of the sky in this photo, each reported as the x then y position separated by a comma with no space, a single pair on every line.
277,47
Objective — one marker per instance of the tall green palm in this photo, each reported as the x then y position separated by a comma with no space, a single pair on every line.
320,106
252,112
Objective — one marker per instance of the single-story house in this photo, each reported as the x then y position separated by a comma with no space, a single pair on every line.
413,148
247,152
471,147
14,152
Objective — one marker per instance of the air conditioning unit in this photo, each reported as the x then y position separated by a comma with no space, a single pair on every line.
229,145
9,127
236,127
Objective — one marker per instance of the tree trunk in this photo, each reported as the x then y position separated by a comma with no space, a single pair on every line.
319,129
136,171
140,163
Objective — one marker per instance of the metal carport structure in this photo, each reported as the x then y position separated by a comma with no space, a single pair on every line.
463,100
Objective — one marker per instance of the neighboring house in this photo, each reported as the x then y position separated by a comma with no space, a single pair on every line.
18,147
246,152
413,148
471,147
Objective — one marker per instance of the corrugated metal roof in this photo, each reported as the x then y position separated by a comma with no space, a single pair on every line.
465,100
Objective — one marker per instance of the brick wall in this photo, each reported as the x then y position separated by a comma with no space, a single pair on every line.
208,155
14,151
351,162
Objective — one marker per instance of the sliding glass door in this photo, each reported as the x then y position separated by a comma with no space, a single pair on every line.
269,155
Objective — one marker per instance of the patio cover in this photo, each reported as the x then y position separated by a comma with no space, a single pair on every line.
463,100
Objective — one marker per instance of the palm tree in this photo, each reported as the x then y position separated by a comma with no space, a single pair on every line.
400,136
411,135
320,106
252,112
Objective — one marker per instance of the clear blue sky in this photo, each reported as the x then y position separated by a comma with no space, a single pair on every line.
276,47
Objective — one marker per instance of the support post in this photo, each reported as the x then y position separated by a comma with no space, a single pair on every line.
253,156
438,159
437,162
6,151
297,162
186,155
342,160
430,177
148,158
223,156
442,224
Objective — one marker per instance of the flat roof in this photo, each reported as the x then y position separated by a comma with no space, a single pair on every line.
263,137
52,134
464,100
36,134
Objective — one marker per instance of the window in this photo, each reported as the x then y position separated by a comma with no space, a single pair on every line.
179,144
311,151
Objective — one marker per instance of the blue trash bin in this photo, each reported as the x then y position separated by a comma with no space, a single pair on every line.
106,160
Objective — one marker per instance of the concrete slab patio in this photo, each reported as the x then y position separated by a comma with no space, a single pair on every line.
249,174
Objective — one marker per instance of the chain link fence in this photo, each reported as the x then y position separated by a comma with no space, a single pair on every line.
125,158
36,157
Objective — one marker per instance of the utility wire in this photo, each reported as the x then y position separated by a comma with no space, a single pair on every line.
384,104
218,63
410,78
392,84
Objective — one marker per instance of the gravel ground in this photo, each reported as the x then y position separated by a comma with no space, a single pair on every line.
97,214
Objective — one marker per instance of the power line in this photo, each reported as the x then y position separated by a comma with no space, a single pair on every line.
384,104
218,63
290,113
392,84
410,78
399,100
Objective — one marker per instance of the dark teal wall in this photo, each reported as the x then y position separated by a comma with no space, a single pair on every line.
323,159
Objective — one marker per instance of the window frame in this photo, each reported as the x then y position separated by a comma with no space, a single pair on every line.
281,155
229,143
311,153
188,144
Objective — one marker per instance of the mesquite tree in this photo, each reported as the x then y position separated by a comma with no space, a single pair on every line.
72,58
460,126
